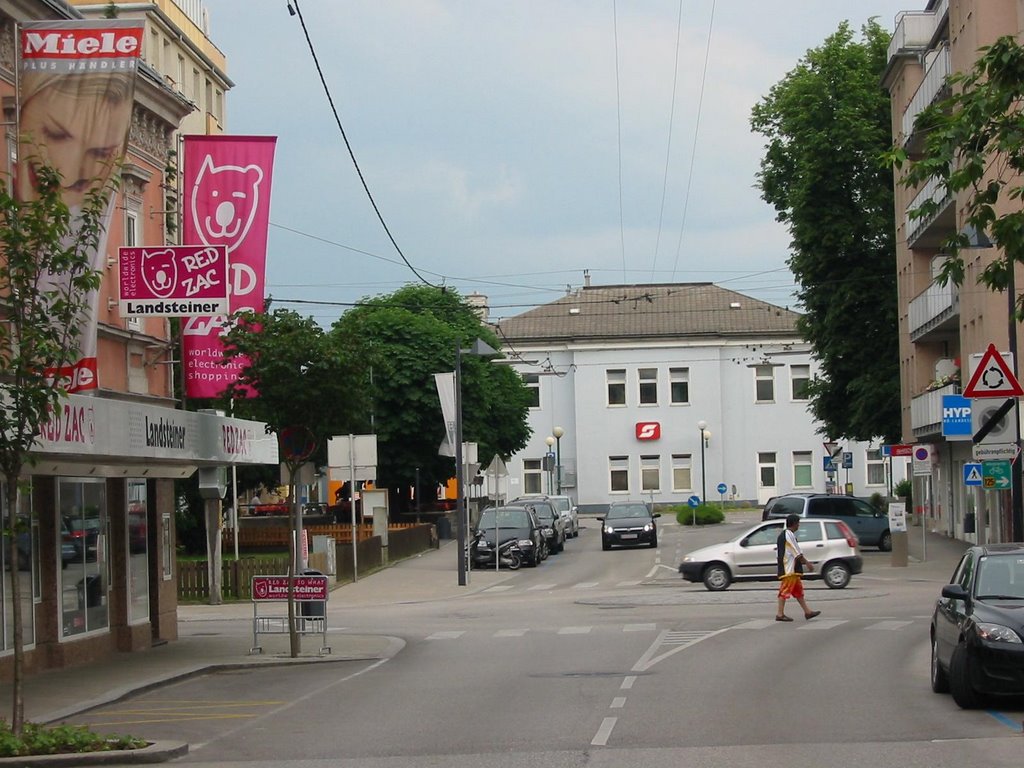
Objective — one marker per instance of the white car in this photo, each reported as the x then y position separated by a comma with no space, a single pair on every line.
830,545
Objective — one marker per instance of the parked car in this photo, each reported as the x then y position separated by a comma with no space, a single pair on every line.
552,524
977,631
566,508
753,556
85,533
628,523
869,525
499,524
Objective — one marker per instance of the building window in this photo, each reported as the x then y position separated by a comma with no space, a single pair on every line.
648,378
682,472
679,384
532,381
650,473
533,475
764,383
196,93
138,552
616,386
876,466
618,474
803,476
800,377
766,469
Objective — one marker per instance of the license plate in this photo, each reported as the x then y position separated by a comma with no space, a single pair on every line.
628,536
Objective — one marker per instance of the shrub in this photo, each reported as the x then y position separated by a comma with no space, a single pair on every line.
877,501
903,490
60,740
705,514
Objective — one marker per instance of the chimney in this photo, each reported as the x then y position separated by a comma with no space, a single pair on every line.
586,278
479,304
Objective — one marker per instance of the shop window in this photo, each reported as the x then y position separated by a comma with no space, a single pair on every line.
85,581
138,551
27,567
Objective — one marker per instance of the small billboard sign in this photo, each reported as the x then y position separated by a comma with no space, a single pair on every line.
173,281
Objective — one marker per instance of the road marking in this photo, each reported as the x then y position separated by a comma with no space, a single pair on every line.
823,624
891,624
510,632
574,630
755,624
499,588
634,583
586,585
1018,727
446,635
639,627
681,640
627,682
537,587
601,737
618,702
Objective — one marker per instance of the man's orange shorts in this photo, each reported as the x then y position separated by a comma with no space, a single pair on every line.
791,586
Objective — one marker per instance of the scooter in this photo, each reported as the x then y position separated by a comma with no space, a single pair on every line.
510,555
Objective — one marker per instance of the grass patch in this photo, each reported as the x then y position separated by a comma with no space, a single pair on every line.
61,740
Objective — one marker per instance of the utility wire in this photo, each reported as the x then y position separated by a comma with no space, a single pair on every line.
348,146
696,130
668,148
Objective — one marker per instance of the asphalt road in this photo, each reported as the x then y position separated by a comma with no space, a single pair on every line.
603,659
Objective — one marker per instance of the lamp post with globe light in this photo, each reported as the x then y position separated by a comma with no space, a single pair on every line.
705,435
558,432
547,461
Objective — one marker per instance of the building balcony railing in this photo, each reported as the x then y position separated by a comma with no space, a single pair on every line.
930,231
926,411
937,308
932,87
914,31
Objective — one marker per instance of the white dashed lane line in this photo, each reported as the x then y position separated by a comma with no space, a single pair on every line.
604,732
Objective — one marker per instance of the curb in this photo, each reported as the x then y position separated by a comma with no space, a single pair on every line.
156,752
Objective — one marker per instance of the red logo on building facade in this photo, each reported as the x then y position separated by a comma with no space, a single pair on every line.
648,430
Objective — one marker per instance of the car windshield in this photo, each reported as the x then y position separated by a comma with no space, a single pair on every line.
562,505
628,510
544,512
1000,577
506,518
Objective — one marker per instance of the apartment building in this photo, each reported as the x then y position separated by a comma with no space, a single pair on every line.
943,328
97,555
664,392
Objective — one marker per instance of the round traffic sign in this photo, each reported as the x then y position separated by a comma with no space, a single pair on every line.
722,488
693,501
922,453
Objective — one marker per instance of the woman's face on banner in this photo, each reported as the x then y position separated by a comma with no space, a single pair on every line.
80,136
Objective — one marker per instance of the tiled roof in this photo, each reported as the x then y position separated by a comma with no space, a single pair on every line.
649,311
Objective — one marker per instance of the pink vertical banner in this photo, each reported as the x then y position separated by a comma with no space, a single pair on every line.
227,202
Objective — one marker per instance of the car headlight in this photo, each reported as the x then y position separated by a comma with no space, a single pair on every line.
548,531
609,529
687,559
648,528
997,633
525,543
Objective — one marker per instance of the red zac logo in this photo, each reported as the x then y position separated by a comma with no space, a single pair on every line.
648,430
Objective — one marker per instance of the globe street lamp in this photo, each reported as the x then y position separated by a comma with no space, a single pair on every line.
558,432
551,442
705,435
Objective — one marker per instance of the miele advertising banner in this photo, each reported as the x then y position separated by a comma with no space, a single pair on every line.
227,203
75,99
173,281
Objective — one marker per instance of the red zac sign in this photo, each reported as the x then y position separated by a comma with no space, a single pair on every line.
648,430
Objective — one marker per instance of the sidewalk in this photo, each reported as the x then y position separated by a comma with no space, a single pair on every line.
58,694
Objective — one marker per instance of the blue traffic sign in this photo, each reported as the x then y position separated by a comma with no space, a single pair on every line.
693,501
829,465
722,488
972,474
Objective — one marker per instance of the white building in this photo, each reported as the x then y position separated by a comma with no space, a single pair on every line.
630,373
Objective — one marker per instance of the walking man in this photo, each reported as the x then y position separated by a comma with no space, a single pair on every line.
791,567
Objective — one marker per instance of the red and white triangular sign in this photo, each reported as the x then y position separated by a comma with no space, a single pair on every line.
993,378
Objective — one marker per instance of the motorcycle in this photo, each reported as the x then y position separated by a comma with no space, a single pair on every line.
510,555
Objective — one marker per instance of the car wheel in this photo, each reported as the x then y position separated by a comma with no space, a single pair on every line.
885,543
960,679
835,575
940,679
717,577
605,545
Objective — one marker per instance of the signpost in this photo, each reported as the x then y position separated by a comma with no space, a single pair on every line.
694,502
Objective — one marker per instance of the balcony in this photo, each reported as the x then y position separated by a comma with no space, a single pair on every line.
931,231
914,32
926,411
935,311
933,87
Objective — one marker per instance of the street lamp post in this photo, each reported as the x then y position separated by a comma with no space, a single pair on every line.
558,432
550,443
479,349
702,427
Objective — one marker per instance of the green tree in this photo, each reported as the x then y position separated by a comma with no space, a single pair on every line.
306,385
46,276
827,123
974,143
408,336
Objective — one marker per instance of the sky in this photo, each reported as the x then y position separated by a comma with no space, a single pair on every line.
510,145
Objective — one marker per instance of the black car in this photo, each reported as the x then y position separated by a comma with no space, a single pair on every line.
551,522
499,524
977,632
628,523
